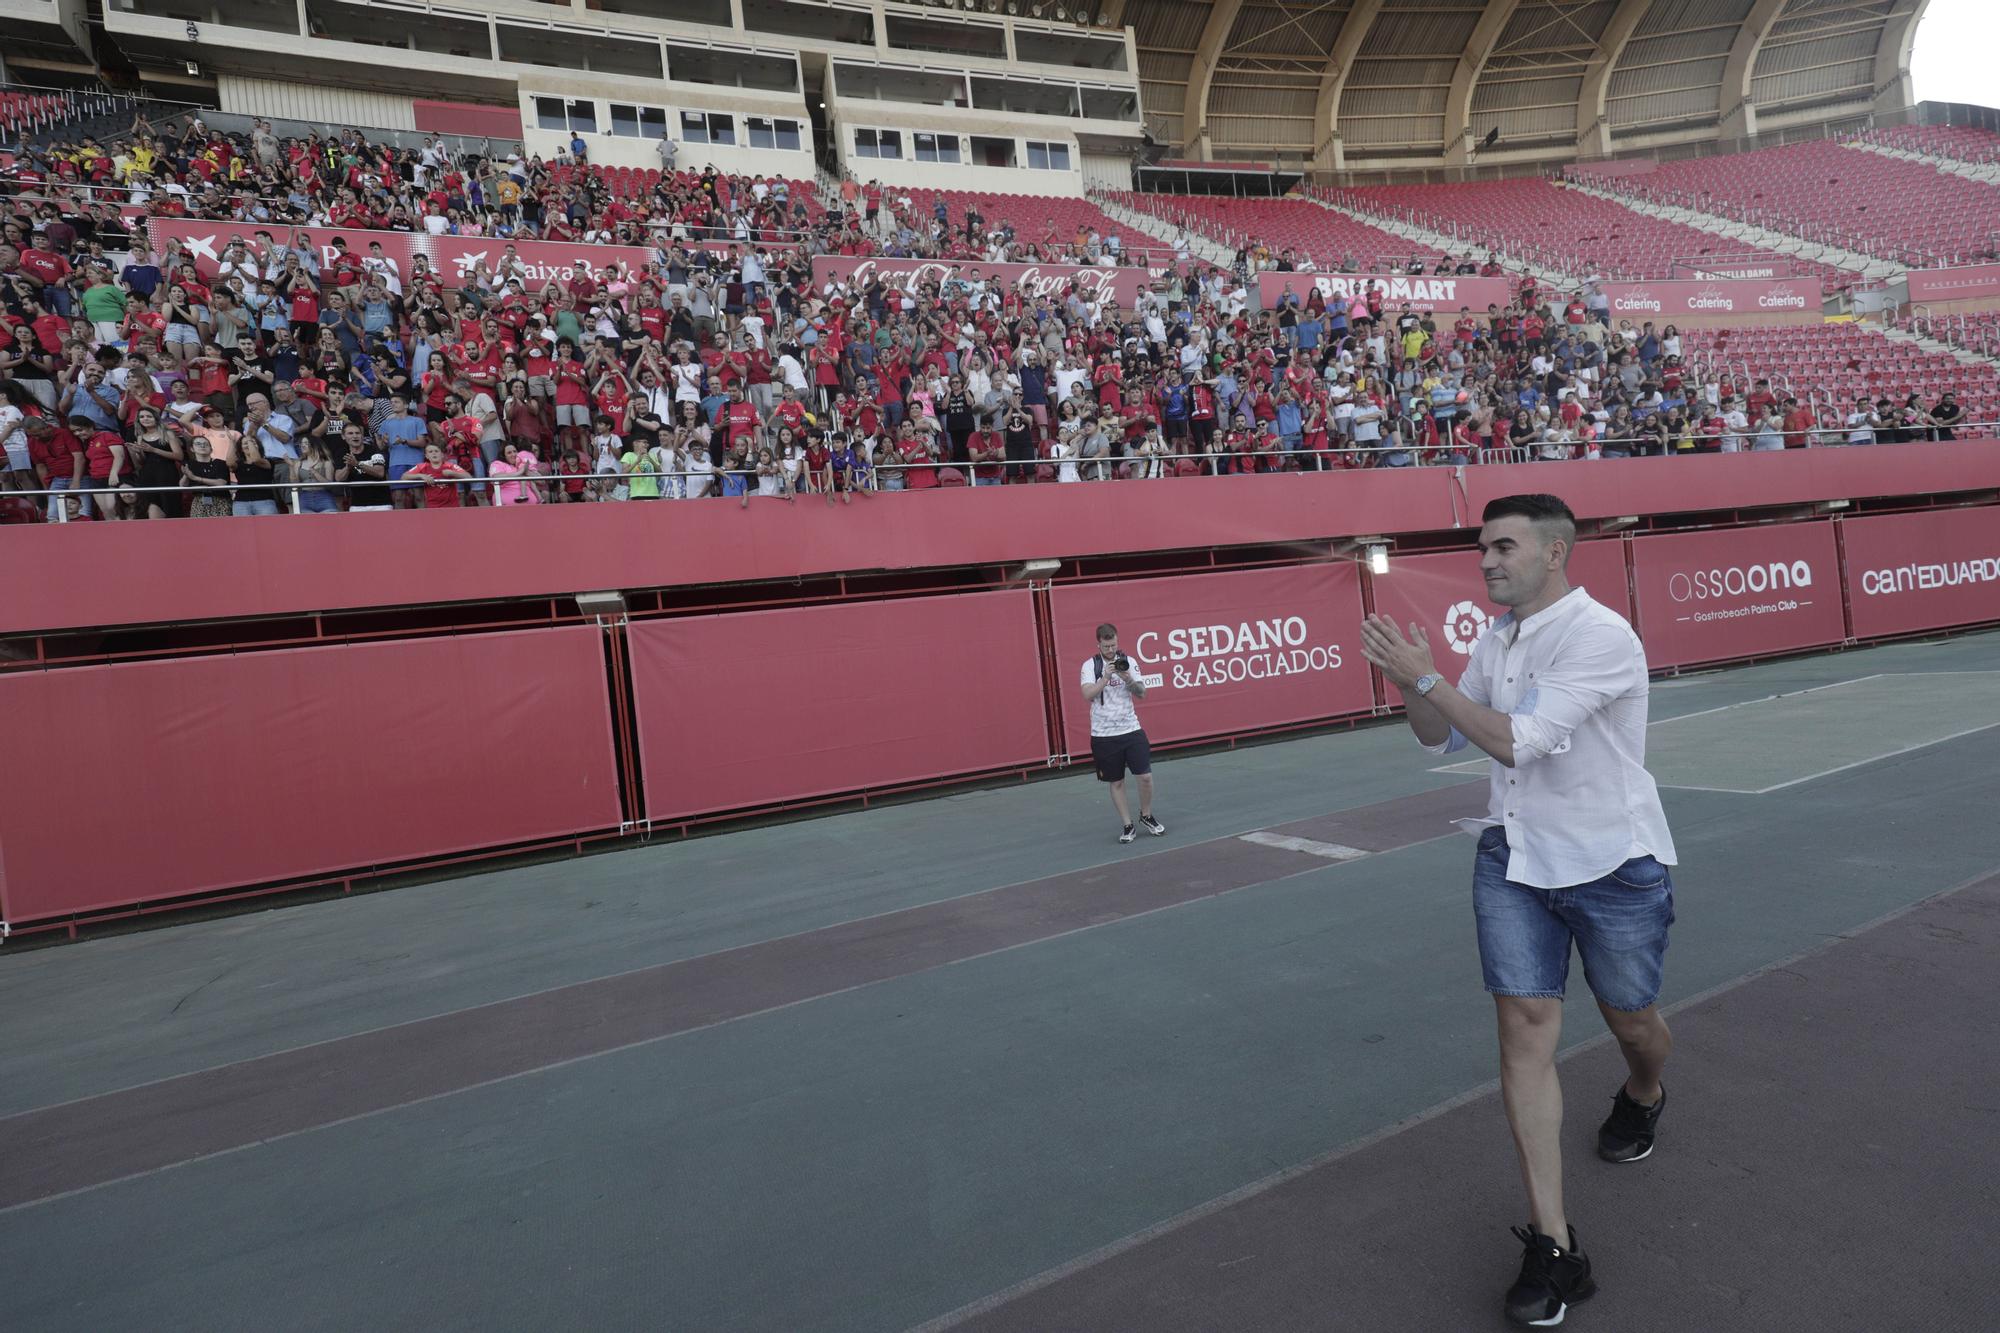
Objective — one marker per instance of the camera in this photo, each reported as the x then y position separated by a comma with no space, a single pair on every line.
1123,663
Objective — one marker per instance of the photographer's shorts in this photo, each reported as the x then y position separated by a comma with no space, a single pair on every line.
1115,754
1619,925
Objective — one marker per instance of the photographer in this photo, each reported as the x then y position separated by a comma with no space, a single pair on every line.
1116,740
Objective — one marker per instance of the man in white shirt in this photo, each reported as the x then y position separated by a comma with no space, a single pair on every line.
1117,742
1574,848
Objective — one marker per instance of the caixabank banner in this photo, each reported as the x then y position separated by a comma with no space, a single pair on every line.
1220,652
1713,596
1909,572
1446,595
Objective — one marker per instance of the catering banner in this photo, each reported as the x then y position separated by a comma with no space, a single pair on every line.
1708,298
1713,596
1910,572
533,262
1444,293
1051,280
1446,595
1970,282
1220,652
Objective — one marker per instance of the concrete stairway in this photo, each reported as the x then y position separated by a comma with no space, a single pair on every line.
1750,234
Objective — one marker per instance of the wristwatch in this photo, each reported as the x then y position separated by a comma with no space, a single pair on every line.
1425,684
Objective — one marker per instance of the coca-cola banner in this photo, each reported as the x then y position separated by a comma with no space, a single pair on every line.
1971,282
1446,595
1220,652
1713,596
533,262
1910,572
1774,300
1051,280
1444,293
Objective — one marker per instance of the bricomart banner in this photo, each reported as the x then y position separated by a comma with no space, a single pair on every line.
1444,293
1908,572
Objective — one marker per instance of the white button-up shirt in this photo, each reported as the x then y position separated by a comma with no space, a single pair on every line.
1578,802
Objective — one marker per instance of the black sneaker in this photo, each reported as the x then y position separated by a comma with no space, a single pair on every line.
1153,826
1552,1279
1127,835
1627,1133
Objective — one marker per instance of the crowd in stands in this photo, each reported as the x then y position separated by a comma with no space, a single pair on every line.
280,376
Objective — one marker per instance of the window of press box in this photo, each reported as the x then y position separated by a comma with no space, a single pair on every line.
878,143
936,147
1048,156
573,116
707,127
637,122
765,133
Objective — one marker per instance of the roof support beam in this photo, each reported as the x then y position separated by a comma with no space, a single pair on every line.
1593,122
1471,63
1893,87
1194,110
1328,152
1739,116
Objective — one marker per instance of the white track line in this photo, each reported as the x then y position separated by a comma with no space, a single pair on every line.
1332,851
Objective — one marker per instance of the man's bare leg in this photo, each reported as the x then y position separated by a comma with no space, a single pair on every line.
1532,1093
1646,1043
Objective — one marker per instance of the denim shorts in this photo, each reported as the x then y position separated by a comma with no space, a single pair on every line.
1619,924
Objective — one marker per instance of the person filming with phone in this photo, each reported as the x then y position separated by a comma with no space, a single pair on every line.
1117,741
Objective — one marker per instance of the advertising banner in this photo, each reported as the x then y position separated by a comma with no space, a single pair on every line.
396,749
1444,293
1970,282
1709,298
763,707
533,262
1712,596
1922,571
1220,652
1051,280
1446,595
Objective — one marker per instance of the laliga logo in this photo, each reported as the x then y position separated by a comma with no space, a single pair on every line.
1463,625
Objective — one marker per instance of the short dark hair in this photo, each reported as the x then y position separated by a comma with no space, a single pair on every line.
1107,631
1549,515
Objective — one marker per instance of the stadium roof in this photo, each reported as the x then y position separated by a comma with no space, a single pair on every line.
1419,83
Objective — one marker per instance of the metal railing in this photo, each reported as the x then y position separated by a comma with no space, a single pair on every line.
1422,453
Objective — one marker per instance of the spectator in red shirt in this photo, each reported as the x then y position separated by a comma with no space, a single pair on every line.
439,474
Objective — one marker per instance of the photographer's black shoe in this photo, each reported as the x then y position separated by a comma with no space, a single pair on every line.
1153,826
1127,835
1627,1133
1552,1279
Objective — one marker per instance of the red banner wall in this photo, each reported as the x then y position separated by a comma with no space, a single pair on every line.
151,780
452,256
1445,292
1220,652
1922,571
763,707
1712,596
1447,596
1050,280
1718,296
1970,282
410,558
